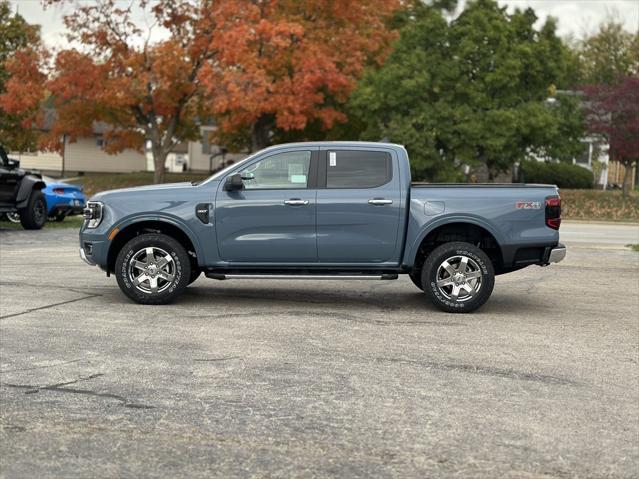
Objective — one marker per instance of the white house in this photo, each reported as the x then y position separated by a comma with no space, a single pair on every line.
86,155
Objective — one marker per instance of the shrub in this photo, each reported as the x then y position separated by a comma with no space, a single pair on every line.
564,175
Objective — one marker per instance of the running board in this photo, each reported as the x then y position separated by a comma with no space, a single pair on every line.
222,276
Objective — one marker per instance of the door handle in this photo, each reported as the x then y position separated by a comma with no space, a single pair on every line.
379,202
296,202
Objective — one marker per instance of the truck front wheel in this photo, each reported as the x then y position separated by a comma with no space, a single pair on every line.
458,277
416,278
152,269
34,215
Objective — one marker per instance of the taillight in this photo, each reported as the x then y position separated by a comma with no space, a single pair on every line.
553,212
58,191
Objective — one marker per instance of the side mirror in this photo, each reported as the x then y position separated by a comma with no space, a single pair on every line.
234,183
13,164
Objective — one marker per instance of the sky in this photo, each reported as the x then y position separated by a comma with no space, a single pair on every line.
577,18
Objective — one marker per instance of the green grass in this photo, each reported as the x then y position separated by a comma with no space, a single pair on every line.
596,205
97,182
633,247
70,222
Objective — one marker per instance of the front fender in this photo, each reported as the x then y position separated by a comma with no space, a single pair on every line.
164,218
426,229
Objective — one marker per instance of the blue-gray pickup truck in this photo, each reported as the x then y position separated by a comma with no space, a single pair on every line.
322,210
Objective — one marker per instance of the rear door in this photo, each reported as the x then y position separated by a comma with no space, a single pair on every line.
272,219
358,206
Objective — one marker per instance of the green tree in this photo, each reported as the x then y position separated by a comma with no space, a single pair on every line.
15,33
473,91
610,54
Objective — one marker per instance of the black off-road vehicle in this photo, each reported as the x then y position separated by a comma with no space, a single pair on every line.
21,192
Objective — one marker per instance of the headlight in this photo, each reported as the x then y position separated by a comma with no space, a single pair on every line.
93,213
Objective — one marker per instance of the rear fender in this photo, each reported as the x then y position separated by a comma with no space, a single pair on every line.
411,253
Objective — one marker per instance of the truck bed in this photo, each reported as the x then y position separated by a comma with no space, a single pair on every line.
478,185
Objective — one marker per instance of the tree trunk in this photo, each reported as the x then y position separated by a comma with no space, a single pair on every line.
260,133
627,179
159,160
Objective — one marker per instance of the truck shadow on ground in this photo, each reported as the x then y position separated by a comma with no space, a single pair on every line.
384,301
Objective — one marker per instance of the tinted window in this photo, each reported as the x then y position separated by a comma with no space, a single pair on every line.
357,169
283,170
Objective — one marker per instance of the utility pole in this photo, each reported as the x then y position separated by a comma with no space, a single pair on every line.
64,150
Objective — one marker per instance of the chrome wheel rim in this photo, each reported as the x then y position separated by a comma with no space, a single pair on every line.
151,270
14,217
459,278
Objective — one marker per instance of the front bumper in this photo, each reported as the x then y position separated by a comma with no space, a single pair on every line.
557,254
85,258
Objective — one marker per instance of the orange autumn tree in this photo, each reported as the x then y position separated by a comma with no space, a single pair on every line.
114,74
286,63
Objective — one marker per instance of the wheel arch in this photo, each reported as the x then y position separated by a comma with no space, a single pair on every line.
134,228
27,185
465,229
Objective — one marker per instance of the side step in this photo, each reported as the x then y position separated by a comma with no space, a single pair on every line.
222,276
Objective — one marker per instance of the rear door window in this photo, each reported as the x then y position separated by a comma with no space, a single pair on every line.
357,169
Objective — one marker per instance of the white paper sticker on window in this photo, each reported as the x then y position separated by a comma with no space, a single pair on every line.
332,156
298,179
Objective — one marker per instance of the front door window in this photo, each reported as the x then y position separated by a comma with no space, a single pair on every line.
281,171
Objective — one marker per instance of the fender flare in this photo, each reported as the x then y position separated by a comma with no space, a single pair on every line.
442,221
161,218
28,184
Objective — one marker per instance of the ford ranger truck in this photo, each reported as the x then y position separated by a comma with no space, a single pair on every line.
322,210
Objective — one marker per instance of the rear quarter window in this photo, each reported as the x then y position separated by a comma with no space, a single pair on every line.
357,169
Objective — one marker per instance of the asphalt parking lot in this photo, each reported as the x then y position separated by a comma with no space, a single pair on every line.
319,379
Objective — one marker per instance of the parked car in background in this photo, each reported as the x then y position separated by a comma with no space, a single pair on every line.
63,199
21,193
324,210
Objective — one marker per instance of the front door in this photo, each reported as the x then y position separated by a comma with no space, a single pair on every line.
358,207
272,219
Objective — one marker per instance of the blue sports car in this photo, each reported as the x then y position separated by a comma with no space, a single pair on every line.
63,199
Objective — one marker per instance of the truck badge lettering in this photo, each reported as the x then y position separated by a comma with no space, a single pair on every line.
528,205
332,156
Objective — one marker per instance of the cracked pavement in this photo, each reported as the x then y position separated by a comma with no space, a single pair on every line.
319,379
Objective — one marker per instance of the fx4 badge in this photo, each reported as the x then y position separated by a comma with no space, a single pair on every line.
528,205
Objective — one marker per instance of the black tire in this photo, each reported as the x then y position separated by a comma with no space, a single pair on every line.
195,273
178,268
473,282
416,278
34,215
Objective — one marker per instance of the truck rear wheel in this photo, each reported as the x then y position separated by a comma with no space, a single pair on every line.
152,269
34,215
458,277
